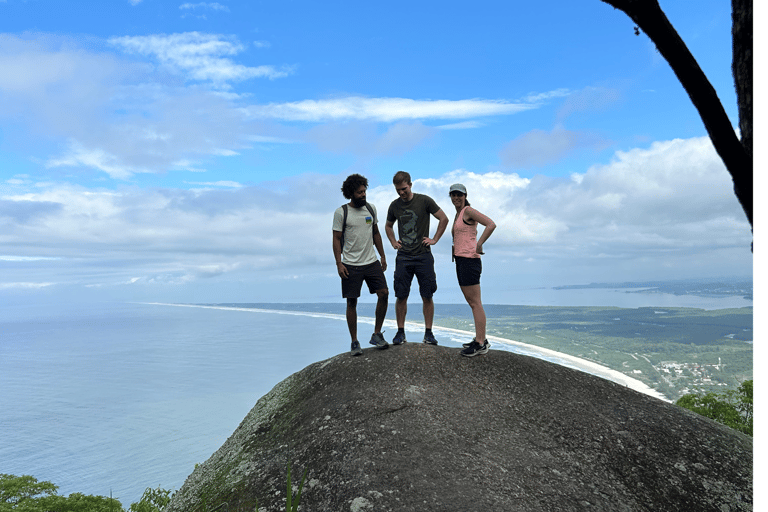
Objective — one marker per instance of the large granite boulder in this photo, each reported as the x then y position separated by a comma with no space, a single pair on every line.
420,428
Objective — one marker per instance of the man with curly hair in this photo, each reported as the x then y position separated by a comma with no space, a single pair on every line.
355,234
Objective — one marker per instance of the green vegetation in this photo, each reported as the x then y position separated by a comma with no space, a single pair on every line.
153,500
732,408
292,505
26,494
672,350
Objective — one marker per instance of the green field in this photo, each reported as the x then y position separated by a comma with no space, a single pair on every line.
673,350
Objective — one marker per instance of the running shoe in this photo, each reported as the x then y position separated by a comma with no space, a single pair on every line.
476,349
399,338
429,338
356,350
378,341
467,345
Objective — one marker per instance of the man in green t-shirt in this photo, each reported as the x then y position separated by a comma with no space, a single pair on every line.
414,256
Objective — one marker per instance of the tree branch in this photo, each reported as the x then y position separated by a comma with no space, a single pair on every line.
651,19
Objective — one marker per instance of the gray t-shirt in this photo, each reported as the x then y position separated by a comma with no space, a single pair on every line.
358,237
412,222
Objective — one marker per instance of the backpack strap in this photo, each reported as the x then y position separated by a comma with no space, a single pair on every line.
343,225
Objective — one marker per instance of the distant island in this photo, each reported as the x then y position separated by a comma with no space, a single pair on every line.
725,287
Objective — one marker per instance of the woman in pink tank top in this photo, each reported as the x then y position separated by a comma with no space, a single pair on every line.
467,248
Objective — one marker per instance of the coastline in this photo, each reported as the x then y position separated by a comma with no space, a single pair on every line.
510,345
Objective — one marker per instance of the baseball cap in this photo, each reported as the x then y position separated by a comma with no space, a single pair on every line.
458,187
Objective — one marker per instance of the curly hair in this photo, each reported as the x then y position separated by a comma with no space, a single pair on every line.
353,183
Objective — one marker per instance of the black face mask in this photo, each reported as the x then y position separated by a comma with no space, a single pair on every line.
358,203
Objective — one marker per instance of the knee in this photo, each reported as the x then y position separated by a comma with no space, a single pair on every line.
383,294
351,303
474,303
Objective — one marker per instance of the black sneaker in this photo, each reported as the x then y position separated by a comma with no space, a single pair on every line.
378,341
356,350
399,338
476,349
467,345
429,338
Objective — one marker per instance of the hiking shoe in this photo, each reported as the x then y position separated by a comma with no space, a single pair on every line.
467,345
378,341
399,338
356,350
476,349
429,338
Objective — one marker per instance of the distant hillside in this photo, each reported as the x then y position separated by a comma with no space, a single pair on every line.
420,428
701,288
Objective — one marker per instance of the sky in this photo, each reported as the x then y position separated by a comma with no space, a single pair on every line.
194,152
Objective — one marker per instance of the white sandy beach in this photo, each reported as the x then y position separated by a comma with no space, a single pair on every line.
459,336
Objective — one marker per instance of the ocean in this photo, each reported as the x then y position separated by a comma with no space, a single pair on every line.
112,398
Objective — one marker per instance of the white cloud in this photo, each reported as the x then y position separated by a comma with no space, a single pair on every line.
24,285
464,125
99,111
384,109
667,208
200,56
213,6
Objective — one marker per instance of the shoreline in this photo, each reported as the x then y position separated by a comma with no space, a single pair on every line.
518,347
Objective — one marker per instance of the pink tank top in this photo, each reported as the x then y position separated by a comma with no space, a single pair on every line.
464,237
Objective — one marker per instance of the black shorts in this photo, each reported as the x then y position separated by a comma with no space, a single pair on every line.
371,274
421,265
468,270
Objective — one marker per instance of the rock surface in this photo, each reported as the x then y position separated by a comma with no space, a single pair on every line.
420,428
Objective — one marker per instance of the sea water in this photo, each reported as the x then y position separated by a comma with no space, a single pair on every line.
114,398
109,399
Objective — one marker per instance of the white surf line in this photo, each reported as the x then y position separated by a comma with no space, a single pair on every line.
517,346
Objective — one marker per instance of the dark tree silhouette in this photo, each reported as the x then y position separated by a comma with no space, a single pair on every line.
736,154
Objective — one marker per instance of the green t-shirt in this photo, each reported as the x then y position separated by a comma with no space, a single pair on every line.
412,219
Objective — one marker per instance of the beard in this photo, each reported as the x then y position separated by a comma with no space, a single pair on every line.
358,203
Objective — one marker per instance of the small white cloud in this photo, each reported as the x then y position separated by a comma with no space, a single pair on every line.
202,56
223,184
207,6
464,125
384,109
543,96
94,158
27,258
24,286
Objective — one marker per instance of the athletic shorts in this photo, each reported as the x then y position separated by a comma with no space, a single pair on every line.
468,270
371,274
423,267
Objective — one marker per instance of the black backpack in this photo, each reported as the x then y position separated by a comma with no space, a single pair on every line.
344,223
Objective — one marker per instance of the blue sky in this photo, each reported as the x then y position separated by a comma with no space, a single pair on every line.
155,150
